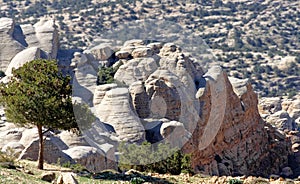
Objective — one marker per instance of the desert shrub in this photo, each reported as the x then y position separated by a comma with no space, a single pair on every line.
162,158
137,180
8,158
106,74
74,167
235,181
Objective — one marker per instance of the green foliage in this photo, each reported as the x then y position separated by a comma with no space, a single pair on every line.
137,180
8,159
161,159
38,94
74,167
106,74
235,181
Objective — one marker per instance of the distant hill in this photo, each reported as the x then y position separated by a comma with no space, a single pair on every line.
259,40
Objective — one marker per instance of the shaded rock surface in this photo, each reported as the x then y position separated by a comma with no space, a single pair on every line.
9,46
88,156
52,152
15,38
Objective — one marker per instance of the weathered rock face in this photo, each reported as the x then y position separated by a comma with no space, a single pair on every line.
102,52
9,46
85,77
280,112
116,110
284,114
89,157
136,70
43,34
242,143
23,57
14,38
52,152
214,117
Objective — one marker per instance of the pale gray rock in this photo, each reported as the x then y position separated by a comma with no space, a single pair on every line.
134,43
239,85
102,52
168,48
84,82
90,157
15,146
48,176
43,34
137,69
169,98
66,178
174,133
4,126
269,105
100,92
52,152
100,133
28,135
72,140
79,59
140,99
11,135
282,120
24,57
109,151
155,47
115,109
122,54
9,46
142,52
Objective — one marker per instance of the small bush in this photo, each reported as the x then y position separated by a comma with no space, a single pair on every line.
161,159
74,167
235,181
106,74
8,159
137,180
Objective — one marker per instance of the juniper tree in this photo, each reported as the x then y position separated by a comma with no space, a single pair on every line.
39,95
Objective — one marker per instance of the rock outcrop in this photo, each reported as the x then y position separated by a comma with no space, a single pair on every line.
243,144
23,57
207,114
43,34
41,40
9,46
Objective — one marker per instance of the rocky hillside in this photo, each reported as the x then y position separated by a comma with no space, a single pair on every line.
158,93
258,40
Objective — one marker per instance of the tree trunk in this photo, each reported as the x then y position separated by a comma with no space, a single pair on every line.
41,148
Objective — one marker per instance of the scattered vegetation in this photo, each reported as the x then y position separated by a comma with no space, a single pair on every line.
39,95
148,158
106,74
235,181
8,159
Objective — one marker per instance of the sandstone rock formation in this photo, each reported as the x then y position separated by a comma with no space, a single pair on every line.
243,139
40,39
214,117
23,57
115,109
52,152
43,34
90,157
9,46
162,94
